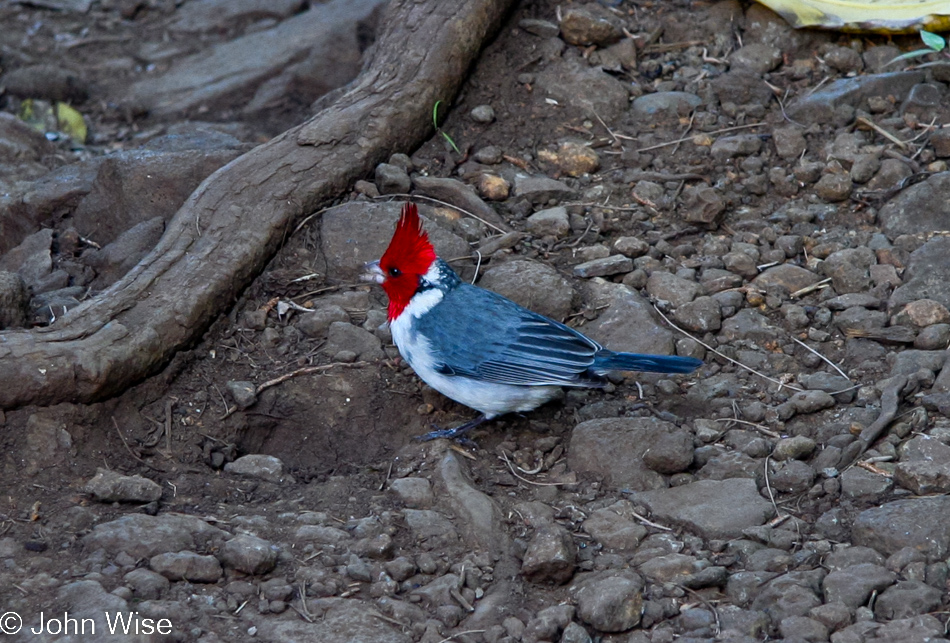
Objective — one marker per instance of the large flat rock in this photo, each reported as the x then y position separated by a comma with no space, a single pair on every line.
238,67
709,508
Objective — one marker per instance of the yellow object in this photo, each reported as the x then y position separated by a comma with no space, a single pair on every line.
880,16
71,122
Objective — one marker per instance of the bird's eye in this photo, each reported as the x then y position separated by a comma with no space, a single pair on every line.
394,272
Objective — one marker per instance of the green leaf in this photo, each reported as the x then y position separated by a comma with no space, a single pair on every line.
932,40
435,114
912,54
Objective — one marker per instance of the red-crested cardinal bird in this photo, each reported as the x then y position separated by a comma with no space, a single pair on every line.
479,348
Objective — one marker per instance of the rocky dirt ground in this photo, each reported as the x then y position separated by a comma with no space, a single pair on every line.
682,177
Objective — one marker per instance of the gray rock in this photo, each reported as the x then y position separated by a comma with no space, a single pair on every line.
703,204
186,565
834,616
730,465
666,106
550,222
258,465
550,556
919,208
392,179
921,313
820,106
317,323
756,57
920,629
145,584
117,258
844,59
482,114
590,24
793,448
323,37
791,594
571,81
860,484
933,337
426,524
143,536
925,448
86,599
710,508
632,247
853,585
905,599
613,528
737,622
343,621
834,187
604,267
31,259
850,300
728,147
320,535
811,401
740,263
786,275
747,324
858,318
671,568
14,301
541,189
923,523
789,143
48,443
532,284
923,477
803,628
575,633
614,448
669,287
703,314
910,361
248,554
109,486
47,82
476,515
538,27
400,568
849,269
792,476
344,336
927,275
740,86
629,324
415,493
546,626
244,394
458,194
612,603
207,16
137,186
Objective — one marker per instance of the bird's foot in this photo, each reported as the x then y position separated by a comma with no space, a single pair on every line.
451,434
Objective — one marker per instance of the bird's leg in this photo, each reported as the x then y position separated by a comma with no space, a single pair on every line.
452,433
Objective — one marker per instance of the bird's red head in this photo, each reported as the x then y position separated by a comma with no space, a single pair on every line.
407,258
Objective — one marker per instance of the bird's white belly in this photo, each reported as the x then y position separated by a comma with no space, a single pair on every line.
487,397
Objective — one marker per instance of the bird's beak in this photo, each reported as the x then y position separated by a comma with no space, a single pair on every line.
373,272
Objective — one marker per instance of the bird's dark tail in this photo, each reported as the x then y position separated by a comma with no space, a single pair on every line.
609,361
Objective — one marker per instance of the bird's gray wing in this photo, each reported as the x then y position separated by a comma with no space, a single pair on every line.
479,334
